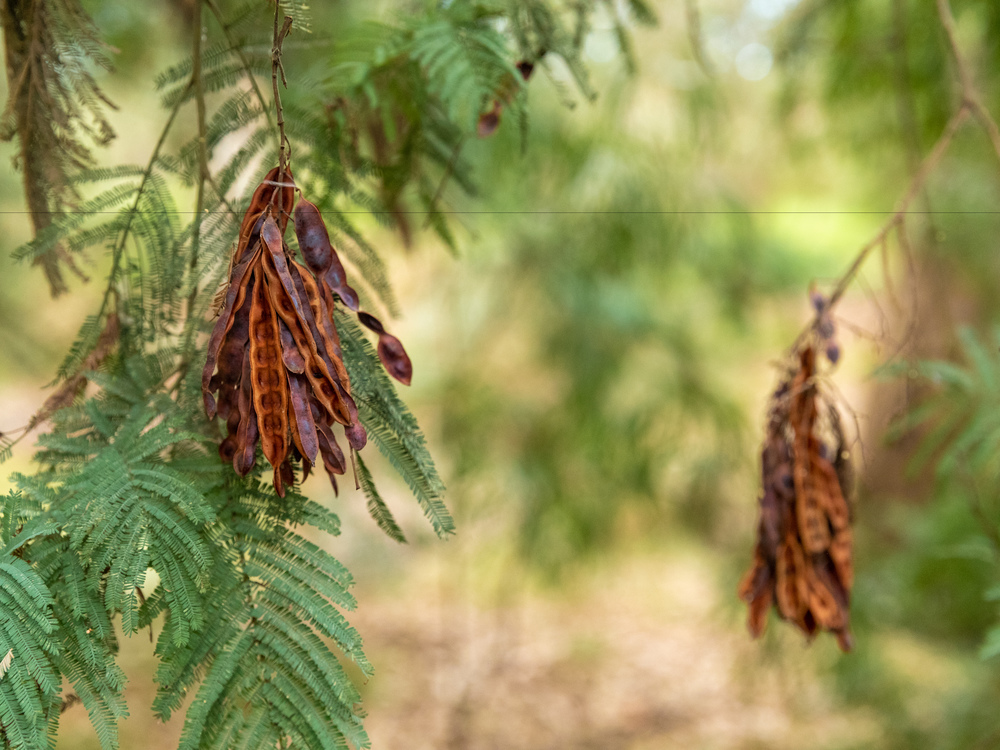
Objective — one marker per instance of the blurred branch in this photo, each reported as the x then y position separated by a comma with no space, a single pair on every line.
970,94
971,104
897,219
199,204
53,103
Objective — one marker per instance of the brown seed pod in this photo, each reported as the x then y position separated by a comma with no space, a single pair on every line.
268,380
246,440
323,261
290,354
303,425
321,324
802,560
274,356
234,300
318,252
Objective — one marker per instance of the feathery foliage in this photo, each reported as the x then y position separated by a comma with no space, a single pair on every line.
54,106
960,426
131,514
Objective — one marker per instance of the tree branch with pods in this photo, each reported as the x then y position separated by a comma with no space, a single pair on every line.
803,556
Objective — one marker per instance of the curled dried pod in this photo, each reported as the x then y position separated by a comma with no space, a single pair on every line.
235,296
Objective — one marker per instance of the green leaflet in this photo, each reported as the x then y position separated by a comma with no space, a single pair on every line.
391,425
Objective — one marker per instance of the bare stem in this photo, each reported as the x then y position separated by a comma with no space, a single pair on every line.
276,69
970,94
927,166
971,104
452,162
119,251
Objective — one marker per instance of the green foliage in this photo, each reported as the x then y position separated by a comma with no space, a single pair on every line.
132,515
393,429
960,424
29,686
403,100
266,673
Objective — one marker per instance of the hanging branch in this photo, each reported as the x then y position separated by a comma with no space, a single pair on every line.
54,106
970,94
803,559
970,104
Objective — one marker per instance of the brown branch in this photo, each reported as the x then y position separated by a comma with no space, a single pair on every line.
971,104
119,251
20,48
928,165
894,221
970,94
284,147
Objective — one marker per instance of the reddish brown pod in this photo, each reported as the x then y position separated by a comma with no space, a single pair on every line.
323,261
802,560
274,356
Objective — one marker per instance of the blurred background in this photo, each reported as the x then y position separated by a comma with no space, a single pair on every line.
592,368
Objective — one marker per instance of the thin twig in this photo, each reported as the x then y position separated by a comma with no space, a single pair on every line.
197,84
928,165
449,170
119,251
970,94
284,147
971,104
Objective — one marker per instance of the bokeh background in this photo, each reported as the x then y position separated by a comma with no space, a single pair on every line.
592,370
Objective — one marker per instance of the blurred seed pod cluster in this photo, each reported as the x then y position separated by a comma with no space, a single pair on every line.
274,356
803,556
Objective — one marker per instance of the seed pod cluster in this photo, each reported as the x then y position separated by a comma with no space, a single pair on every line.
803,557
274,356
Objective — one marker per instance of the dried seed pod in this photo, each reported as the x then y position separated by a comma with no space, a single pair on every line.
280,377
321,325
290,354
278,266
303,425
268,380
275,194
234,300
333,457
802,560
323,261
318,252
246,441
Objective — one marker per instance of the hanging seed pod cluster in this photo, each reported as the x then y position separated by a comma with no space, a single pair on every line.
274,356
803,556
